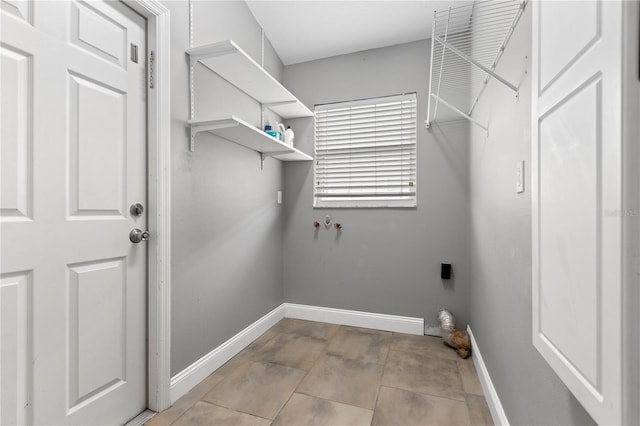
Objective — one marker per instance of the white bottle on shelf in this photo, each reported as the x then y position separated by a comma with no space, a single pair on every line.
288,136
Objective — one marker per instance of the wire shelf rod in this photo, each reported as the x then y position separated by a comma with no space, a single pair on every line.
479,12
456,78
494,42
435,111
479,8
475,50
467,19
467,34
464,27
468,117
433,33
464,34
507,15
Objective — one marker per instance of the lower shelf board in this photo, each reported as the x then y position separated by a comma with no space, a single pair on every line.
238,131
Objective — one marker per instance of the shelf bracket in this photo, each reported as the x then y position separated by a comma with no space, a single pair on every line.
192,143
264,156
192,106
205,128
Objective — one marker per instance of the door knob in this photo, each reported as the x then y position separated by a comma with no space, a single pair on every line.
136,235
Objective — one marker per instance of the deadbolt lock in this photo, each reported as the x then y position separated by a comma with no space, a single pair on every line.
136,209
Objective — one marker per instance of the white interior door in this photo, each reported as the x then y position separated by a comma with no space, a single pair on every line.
576,176
73,158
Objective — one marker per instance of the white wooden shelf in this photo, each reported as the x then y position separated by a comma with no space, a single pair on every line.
230,62
236,130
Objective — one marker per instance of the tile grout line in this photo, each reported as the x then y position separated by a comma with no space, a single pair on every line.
295,390
466,401
384,368
229,408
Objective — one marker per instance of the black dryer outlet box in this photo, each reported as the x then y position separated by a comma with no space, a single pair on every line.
445,271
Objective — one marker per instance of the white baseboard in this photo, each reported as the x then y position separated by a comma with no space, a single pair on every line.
188,378
384,322
490,394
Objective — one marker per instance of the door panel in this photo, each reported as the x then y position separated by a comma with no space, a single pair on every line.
98,34
96,327
21,9
570,221
556,57
15,346
576,190
76,159
16,186
97,149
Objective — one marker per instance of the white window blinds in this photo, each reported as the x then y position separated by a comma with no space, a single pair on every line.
366,153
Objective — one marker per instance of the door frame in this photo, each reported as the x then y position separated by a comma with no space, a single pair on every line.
159,202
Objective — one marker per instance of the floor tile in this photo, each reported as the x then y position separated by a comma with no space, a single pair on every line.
344,380
401,407
169,415
424,374
428,345
470,381
205,414
361,343
479,413
292,351
318,330
257,388
307,410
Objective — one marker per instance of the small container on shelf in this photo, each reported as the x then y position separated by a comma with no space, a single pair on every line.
270,132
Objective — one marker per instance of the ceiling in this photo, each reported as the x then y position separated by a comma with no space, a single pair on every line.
304,30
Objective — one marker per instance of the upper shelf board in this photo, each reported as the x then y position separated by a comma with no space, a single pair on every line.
230,62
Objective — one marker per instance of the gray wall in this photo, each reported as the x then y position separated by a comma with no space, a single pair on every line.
226,225
500,251
384,260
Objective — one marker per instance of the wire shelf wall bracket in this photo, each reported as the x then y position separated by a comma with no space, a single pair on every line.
467,43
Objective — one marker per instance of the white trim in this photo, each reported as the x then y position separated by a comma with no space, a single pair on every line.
385,322
490,394
185,380
141,418
159,203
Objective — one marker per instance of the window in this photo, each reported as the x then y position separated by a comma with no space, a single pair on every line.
365,153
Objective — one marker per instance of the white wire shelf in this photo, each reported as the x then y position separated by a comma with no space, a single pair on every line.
238,131
467,43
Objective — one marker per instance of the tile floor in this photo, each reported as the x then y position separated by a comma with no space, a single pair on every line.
312,373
